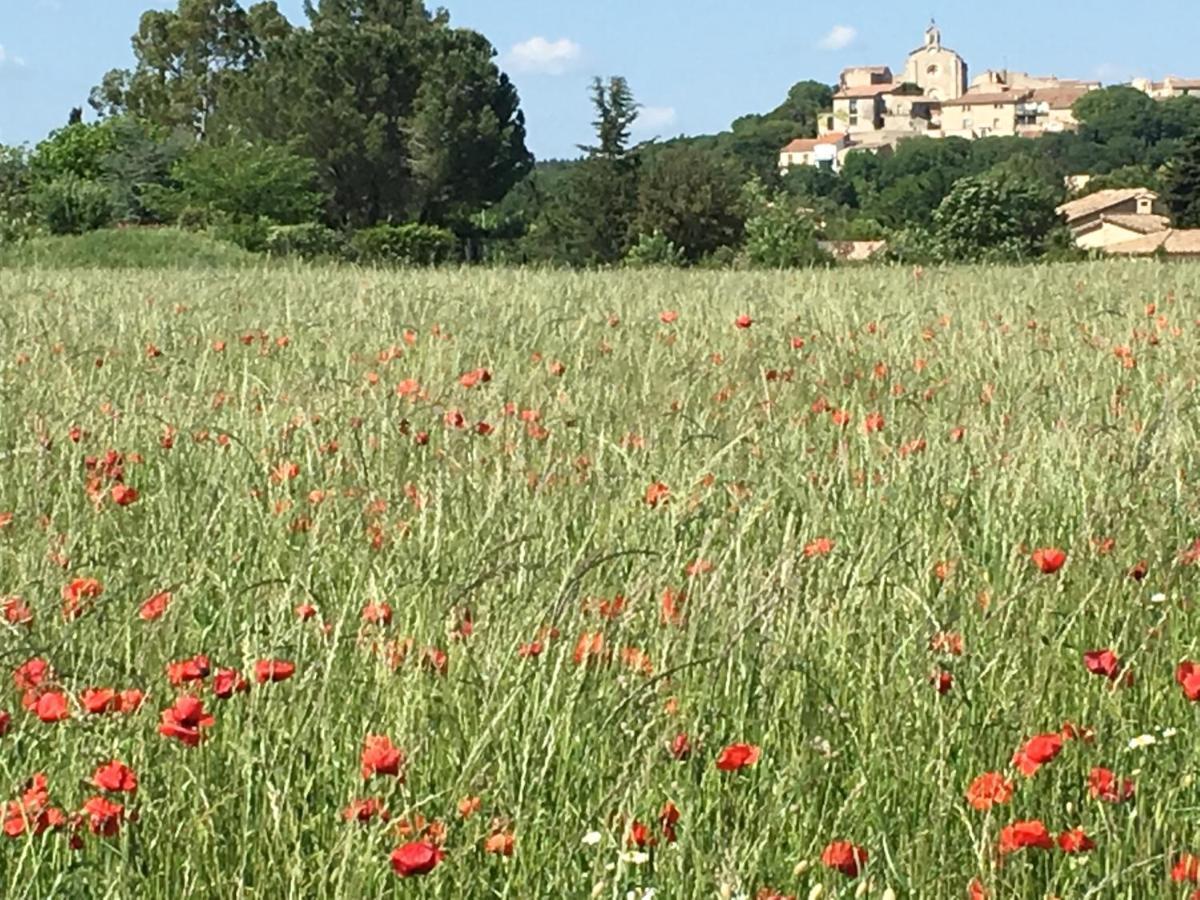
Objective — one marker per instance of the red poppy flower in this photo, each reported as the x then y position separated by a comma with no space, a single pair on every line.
184,721
844,857
657,493
668,818
589,648
947,642
16,612
976,890
185,670
1139,570
1049,559
743,321
671,607
116,778
1103,662
531,650
5,722
99,700
1188,676
228,682
123,494
1075,841
1104,785
273,670
988,790
681,746
1186,868
668,316
129,701
416,858
377,613
872,423
500,843
305,611
1028,833
942,681
822,546
155,607
1036,752
52,706
738,756
31,673
77,594
640,836
103,817
380,757
365,810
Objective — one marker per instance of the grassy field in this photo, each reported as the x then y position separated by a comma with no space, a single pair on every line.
569,584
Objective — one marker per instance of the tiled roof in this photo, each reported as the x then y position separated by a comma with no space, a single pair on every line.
1144,224
803,145
988,99
1172,242
1061,97
1100,201
865,90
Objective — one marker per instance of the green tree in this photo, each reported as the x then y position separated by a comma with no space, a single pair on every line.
693,198
78,150
16,204
590,221
405,117
139,163
1118,112
186,60
243,182
1182,194
779,234
995,216
616,111
806,100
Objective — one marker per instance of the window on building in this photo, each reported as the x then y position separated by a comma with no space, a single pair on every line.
853,107
932,70
854,120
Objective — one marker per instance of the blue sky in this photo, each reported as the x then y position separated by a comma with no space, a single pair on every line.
694,65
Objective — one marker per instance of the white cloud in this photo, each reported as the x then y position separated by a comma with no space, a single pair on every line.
540,56
7,59
839,37
654,117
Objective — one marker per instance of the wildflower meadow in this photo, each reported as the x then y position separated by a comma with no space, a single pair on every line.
338,583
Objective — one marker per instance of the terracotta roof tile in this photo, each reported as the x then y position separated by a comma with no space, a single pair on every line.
1172,242
803,145
865,90
1100,201
988,99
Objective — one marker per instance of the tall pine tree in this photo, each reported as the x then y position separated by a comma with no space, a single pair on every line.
1182,195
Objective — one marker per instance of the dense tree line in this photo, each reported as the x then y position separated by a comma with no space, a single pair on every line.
376,130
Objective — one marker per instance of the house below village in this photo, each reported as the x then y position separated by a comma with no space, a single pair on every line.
1109,218
825,152
1172,243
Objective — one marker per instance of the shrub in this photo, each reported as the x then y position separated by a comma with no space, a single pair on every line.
994,217
194,218
654,250
251,234
308,241
779,233
73,205
410,244
241,182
